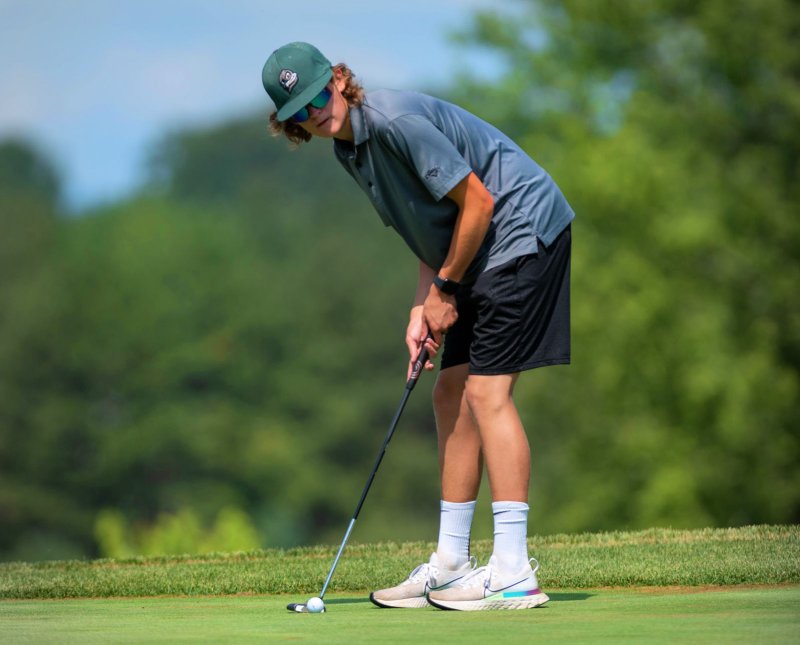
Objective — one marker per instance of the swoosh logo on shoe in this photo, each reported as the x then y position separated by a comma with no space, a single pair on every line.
494,591
429,588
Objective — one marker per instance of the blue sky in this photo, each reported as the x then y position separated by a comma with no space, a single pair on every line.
94,83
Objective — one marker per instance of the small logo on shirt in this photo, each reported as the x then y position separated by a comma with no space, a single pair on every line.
288,79
433,172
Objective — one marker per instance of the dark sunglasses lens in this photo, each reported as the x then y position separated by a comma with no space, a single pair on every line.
321,99
301,115
318,102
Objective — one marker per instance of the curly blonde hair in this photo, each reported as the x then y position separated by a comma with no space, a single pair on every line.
353,93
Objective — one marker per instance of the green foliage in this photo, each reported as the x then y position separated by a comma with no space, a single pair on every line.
111,533
175,534
198,356
232,336
24,171
674,130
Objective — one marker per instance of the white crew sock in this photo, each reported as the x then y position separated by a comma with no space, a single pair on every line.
455,521
510,535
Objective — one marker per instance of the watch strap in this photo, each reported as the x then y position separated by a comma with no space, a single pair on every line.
445,285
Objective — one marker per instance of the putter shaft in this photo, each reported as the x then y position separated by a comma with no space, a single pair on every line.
419,364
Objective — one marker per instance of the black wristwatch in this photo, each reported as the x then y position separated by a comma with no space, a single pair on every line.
446,286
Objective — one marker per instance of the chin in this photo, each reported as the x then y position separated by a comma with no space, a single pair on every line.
328,130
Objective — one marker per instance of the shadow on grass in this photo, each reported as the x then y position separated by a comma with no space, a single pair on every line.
554,597
568,597
345,601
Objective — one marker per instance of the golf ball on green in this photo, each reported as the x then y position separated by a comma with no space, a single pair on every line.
315,605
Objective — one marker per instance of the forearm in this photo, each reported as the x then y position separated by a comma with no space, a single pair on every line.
417,330
424,283
476,208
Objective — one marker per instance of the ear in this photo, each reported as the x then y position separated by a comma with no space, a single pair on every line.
338,79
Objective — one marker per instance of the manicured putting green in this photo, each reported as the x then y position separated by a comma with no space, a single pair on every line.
691,615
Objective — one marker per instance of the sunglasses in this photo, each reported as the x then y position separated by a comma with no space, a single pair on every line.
318,102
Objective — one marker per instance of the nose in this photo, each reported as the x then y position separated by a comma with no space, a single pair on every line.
315,114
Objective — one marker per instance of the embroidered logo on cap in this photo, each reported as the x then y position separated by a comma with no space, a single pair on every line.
288,79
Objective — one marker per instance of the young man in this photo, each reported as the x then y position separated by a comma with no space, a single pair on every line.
492,233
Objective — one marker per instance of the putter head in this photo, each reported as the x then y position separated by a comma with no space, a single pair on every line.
299,607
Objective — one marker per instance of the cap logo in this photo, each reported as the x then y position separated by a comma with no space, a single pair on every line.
288,79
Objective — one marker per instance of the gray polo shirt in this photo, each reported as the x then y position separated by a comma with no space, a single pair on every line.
411,149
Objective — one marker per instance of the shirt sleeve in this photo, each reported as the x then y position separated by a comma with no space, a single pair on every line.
433,157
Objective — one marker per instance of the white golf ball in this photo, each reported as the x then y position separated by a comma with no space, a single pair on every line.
315,605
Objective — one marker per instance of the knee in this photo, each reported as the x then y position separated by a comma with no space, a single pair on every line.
484,399
447,392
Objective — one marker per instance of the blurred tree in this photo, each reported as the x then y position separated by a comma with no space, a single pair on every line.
232,337
674,129
24,170
33,516
175,534
202,353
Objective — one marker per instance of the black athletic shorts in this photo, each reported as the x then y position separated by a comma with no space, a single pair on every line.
515,316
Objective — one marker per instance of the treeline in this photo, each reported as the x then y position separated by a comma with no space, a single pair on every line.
218,357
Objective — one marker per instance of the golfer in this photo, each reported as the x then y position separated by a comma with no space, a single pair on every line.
491,231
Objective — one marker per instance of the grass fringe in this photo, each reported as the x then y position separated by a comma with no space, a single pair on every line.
752,555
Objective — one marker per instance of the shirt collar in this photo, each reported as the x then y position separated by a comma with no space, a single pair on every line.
358,122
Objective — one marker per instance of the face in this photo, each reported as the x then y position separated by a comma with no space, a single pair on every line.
333,120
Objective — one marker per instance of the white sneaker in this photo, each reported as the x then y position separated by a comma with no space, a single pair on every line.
487,588
426,577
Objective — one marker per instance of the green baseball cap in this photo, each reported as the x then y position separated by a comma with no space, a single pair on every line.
293,75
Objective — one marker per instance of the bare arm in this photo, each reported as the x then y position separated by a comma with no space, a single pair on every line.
417,329
476,207
475,210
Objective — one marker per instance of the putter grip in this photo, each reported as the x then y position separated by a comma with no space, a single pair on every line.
418,366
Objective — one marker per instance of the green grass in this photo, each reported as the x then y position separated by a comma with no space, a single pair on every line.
767,615
709,586
759,555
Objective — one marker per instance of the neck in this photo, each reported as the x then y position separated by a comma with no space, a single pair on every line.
346,131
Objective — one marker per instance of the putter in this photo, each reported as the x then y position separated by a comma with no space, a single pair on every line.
416,370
